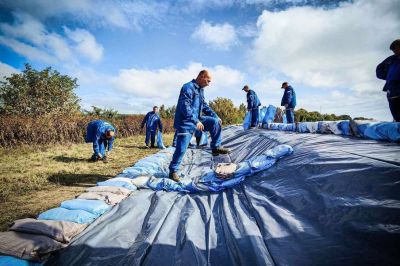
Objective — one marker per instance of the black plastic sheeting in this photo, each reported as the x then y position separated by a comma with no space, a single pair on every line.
334,201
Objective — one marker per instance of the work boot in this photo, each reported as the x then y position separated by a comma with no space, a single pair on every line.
174,176
105,160
198,141
220,150
94,158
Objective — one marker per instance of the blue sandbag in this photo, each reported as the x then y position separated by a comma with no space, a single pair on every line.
160,143
344,126
247,120
62,214
12,261
269,116
97,207
389,131
118,184
284,119
164,184
204,139
261,114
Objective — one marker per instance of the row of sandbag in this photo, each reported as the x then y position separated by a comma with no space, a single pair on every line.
152,172
30,241
386,131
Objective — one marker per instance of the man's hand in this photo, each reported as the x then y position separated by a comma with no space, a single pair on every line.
200,126
220,121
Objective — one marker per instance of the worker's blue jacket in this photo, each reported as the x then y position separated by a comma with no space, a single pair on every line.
152,121
252,100
389,70
191,105
96,133
289,97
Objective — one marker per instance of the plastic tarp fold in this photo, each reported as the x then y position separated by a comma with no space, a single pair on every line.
334,201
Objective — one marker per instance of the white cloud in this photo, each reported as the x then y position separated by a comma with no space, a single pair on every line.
328,47
164,84
122,14
218,36
6,71
30,38
85,43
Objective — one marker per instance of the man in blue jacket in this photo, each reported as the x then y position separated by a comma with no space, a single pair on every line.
389,70
253,103
289,101
152,121
101,133
188,116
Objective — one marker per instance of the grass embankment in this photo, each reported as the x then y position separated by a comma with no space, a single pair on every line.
33,180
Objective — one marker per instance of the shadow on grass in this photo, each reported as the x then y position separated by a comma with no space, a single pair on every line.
84,180
65,159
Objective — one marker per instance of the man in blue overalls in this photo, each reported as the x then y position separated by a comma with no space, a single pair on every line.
101,133
188,116
253,103
152,121
289,101
389,70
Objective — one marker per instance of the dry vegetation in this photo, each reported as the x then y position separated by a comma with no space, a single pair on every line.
35,179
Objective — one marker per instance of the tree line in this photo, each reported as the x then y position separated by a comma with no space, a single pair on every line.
47,92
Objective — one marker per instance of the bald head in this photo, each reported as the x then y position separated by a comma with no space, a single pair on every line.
203,79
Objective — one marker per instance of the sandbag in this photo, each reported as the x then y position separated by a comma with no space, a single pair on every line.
61,231
12,261
27,246
114,190
62,214
160,143
107,197
247,120
269,115
117,184
97,207
141,181
388,131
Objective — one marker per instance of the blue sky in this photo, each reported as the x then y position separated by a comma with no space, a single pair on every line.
130,55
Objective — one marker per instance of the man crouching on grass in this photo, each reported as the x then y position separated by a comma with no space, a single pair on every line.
188,117
101,133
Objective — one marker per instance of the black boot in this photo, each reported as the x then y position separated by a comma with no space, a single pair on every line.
198,141
220,150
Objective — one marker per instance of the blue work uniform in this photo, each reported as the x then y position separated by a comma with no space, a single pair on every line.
96,133
152,121
252,106
190,107
389,70
289,98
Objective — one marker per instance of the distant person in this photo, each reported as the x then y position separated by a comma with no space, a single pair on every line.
389,70
152,121
289,101
101,133
188,116
253,103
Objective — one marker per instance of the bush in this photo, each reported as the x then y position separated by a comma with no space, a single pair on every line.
36,93
18,130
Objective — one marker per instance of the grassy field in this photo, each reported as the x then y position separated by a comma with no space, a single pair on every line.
34,179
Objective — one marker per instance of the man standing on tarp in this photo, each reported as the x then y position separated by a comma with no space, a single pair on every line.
188,116
389,70
101,133
253,103
152,121
289,101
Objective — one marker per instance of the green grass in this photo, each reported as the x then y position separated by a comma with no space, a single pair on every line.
35,179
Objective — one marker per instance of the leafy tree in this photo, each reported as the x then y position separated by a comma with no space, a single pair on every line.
227,111
167,112
34,92
97,111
